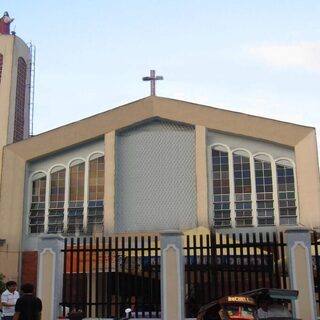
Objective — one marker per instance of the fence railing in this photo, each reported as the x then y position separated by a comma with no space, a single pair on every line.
218,265
103,277
315,252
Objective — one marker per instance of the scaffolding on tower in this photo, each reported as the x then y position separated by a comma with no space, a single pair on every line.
32,49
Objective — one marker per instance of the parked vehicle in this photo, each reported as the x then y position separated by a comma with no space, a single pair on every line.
246,305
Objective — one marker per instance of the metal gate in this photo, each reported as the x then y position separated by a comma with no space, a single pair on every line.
104,276
315,251
217,265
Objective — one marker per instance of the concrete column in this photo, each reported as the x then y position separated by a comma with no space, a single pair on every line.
172,276
109,182
201,177
300,273
50,273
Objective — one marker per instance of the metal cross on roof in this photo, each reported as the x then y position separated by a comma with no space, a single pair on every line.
152,78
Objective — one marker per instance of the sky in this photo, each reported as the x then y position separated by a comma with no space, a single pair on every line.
256,57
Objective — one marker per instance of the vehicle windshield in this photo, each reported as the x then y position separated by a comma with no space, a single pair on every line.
240,311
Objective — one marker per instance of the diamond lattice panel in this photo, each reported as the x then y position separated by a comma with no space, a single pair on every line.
155,177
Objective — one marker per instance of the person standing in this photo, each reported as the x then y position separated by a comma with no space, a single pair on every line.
8,299
28,307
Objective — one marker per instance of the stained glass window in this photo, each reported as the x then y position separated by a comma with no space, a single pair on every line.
96,194
56,208
37,209
264,189
242,188
221,188
286,194
75,211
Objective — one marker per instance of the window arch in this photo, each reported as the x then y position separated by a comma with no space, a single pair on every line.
286,192
242,188
19,117
57,195
37,207
96,193
264,190
76,196
95,155
221,186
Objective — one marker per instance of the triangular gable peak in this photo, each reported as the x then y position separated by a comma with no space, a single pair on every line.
157,107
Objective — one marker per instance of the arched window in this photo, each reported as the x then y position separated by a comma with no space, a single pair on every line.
56,206
264,189
221,187
20,101
96,194
242,189
286,193
37,208
1,64
76,197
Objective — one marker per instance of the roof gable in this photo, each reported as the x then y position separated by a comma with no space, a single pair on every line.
157,107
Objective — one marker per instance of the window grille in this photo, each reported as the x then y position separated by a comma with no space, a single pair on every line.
221,189
96,194
264,189
55,221
56,208
1,65
37,208
242,187
286,193
75,210
20,101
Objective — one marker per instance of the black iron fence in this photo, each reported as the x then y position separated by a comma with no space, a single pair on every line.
315,252
103,277
218,265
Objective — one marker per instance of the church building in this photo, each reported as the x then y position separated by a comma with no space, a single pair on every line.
151,165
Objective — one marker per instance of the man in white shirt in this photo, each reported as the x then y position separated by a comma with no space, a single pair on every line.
8,300
270,310
264,306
